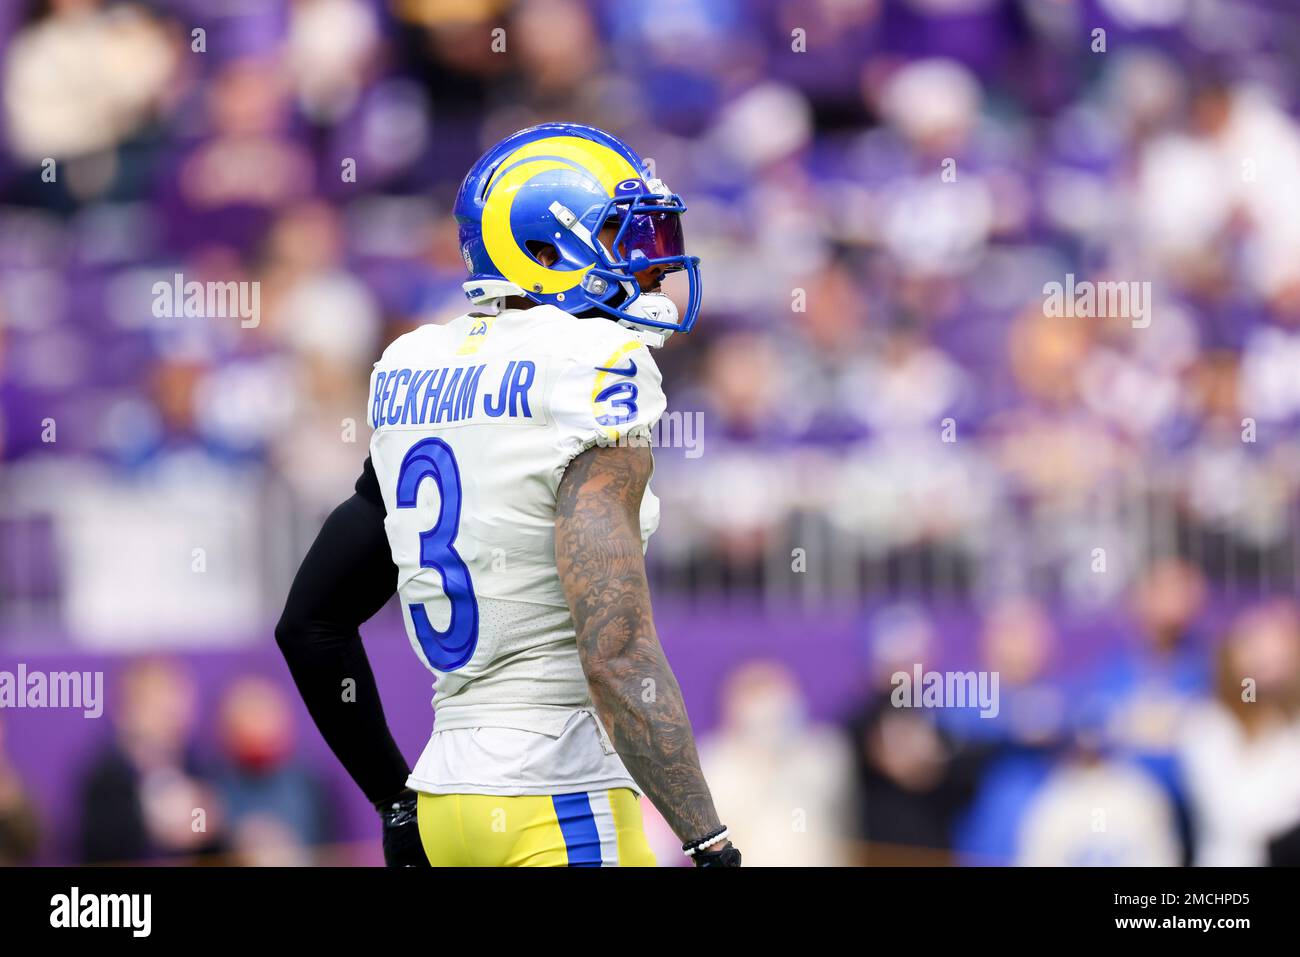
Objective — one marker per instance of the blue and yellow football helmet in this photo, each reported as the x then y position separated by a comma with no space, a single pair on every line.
559,185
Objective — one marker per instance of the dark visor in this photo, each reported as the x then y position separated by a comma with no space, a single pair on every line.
657,235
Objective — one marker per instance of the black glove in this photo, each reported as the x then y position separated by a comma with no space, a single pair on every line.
402,845
728,856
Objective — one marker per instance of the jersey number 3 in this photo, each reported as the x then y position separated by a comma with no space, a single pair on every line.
450,649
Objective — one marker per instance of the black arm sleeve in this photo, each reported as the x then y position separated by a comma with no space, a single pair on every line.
347,576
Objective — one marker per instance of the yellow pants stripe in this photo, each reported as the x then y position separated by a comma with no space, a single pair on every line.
633,848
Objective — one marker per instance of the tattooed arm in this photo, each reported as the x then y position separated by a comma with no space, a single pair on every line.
602,568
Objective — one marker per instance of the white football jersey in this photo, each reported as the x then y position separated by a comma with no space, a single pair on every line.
474,423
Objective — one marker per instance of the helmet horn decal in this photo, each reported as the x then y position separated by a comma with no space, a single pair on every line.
514,262
515,171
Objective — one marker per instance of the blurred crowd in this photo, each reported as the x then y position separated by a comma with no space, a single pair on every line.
148,796
1180,748
879,191
145,792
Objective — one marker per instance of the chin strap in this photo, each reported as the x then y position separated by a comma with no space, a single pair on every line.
655,306
654,338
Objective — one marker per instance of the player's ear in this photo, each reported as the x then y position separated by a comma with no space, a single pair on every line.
544,253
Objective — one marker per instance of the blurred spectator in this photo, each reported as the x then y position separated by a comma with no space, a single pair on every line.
330,323
1020,745
330,47
144,797
784,781
1098,808
82,75
913,778
275,810
19,826
1146,689
248,164
1241,749
1097,813
1147,686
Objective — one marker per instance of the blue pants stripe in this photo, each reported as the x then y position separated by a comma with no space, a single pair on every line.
578,825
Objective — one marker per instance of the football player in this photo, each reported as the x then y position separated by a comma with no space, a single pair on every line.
506,501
